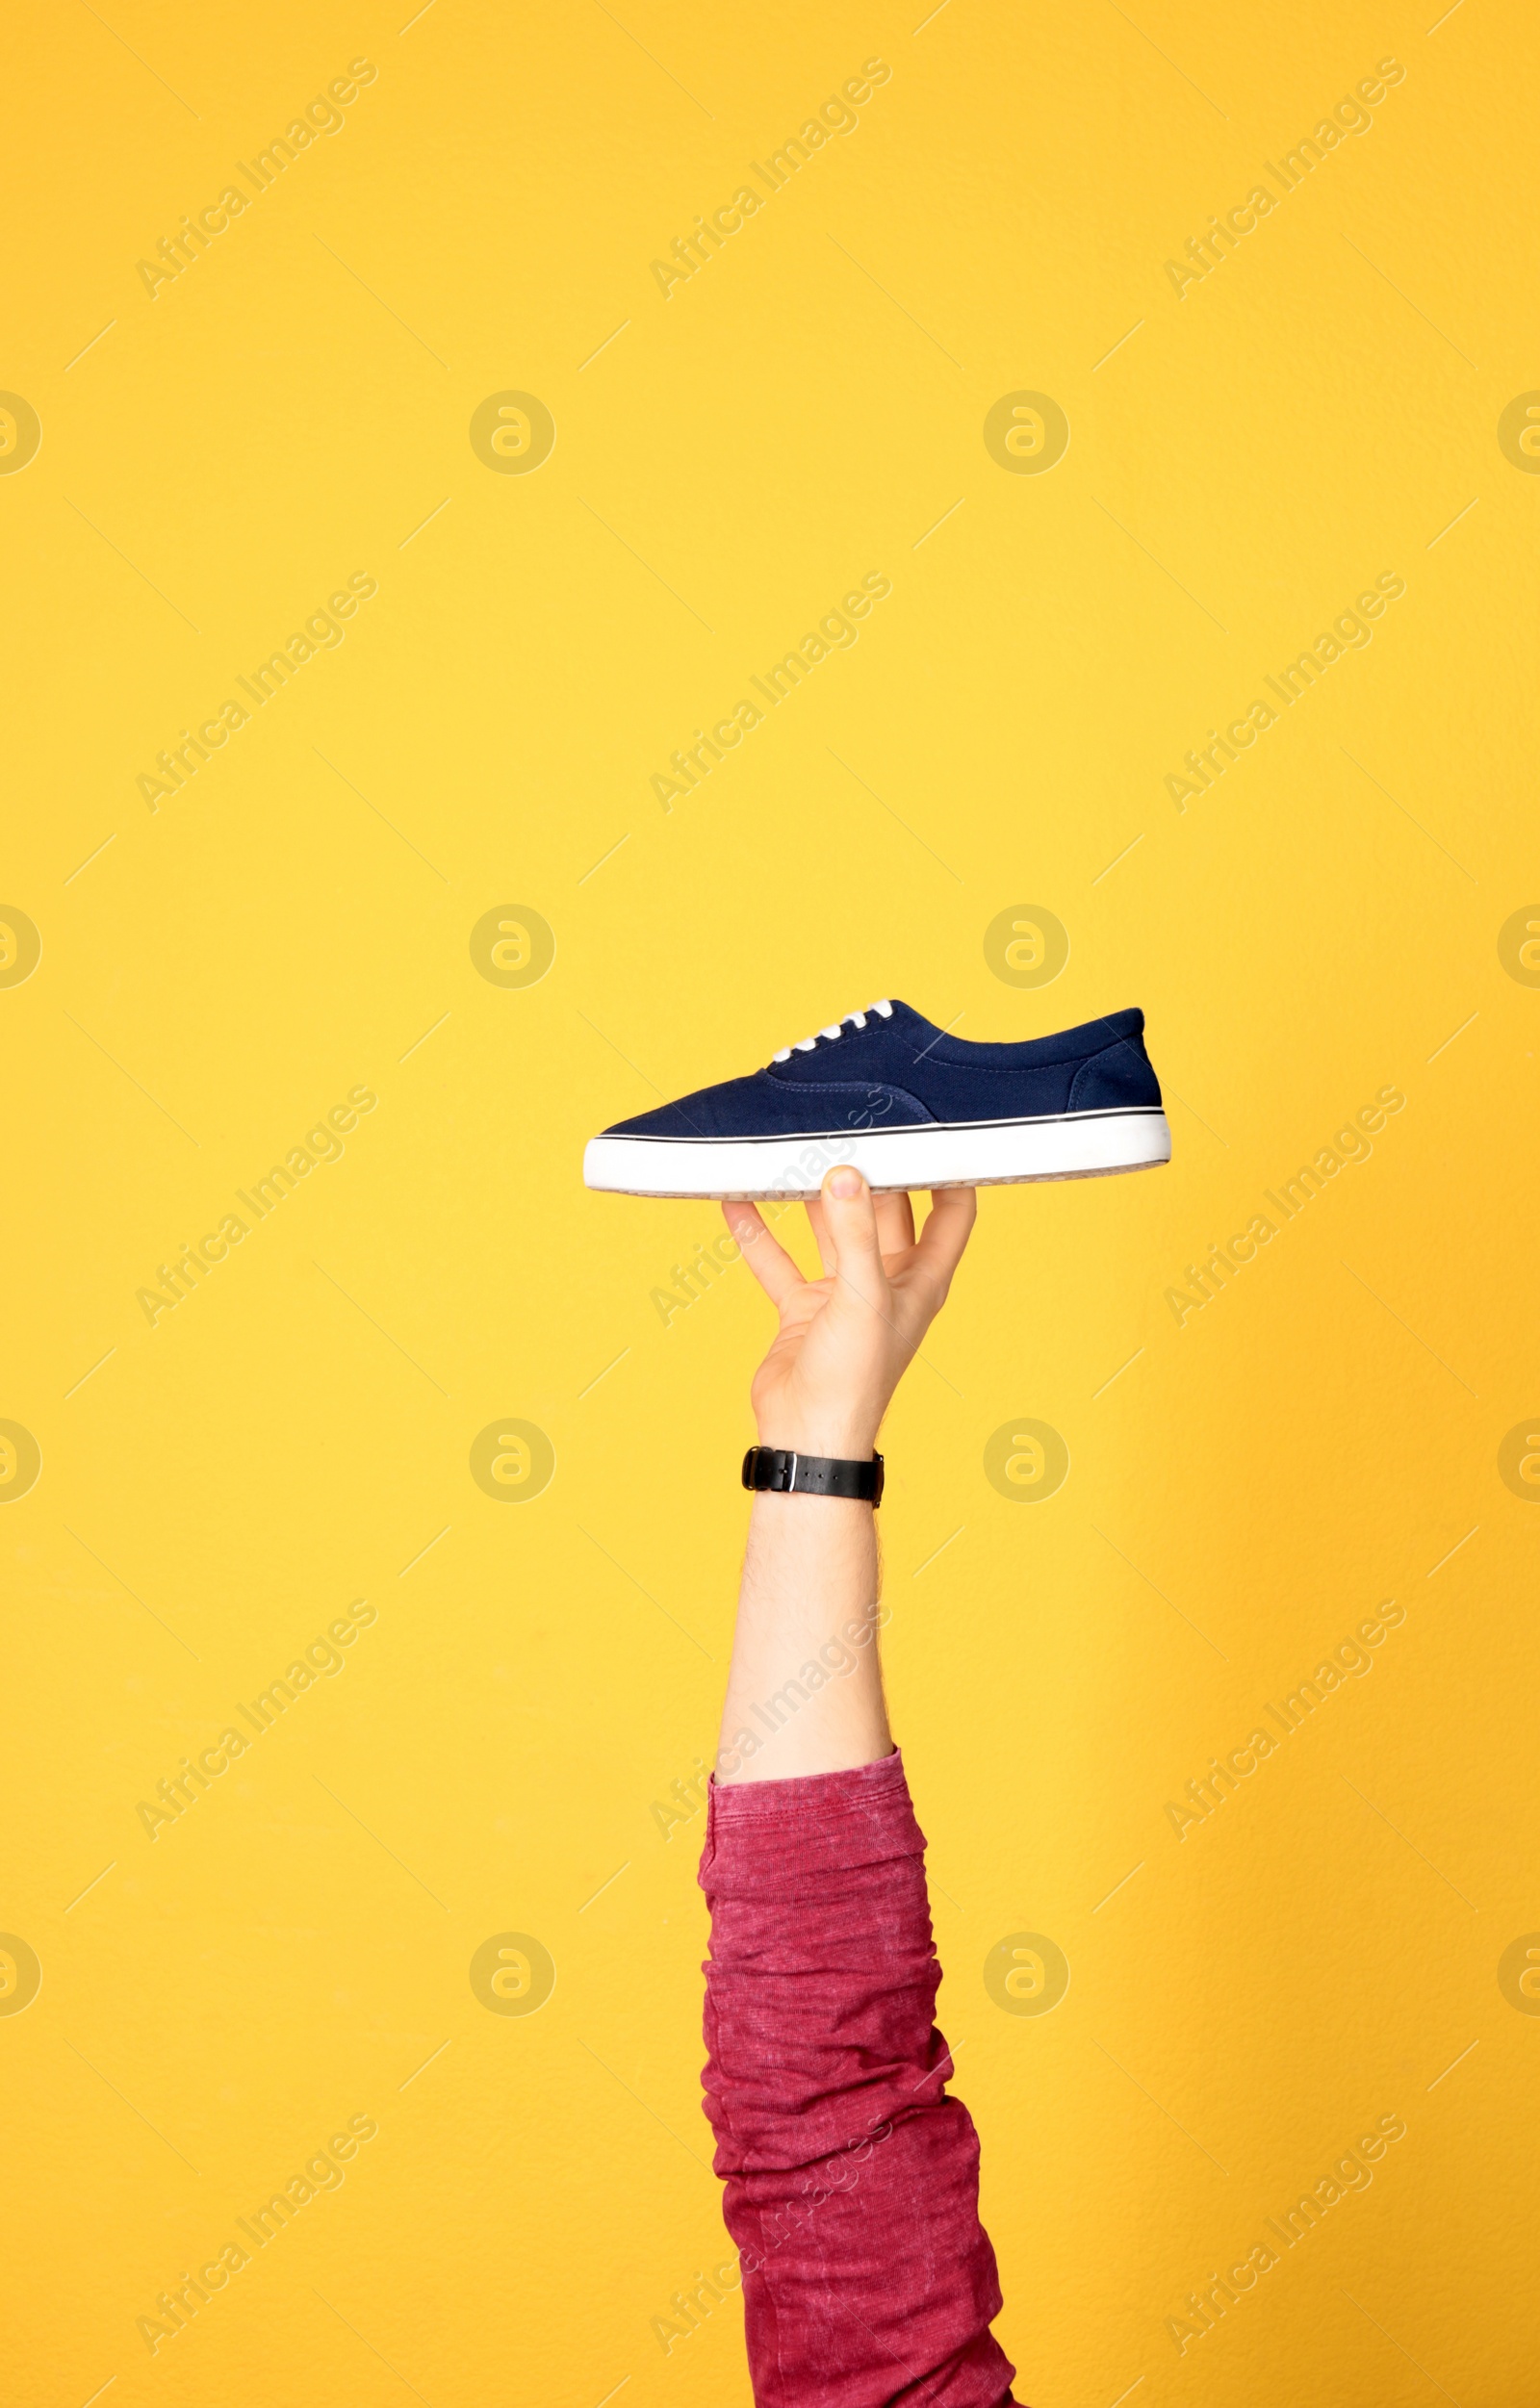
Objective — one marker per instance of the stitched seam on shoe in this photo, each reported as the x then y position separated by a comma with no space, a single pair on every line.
1031,1071
1120,1046
851,1086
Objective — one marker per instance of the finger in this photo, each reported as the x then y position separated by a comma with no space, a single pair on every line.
851,1219
947,1231
895,1223
820,1230
770,1263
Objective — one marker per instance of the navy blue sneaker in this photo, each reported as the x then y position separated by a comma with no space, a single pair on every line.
909,1106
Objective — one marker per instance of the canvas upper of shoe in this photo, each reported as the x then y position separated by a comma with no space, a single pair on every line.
890,1068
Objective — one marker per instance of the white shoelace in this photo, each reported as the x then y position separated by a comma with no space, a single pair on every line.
856,1019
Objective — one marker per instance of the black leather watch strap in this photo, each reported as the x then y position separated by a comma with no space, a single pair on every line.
787,1474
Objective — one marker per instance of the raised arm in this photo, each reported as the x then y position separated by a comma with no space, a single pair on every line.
851,2175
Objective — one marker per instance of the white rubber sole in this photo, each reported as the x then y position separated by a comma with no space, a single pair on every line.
970,1153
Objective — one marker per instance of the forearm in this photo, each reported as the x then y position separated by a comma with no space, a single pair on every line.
804,1691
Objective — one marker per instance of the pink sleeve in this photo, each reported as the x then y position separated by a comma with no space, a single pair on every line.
852,2177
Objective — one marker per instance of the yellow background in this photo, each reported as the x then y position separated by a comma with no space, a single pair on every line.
292,409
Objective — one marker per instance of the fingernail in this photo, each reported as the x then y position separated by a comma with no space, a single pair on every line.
844,1183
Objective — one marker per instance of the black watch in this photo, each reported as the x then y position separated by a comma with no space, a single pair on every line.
787,1474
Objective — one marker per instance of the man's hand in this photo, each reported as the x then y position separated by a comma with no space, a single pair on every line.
846,1340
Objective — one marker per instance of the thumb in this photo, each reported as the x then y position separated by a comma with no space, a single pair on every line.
850,1217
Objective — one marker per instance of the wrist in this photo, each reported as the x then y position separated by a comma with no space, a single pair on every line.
848,1441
